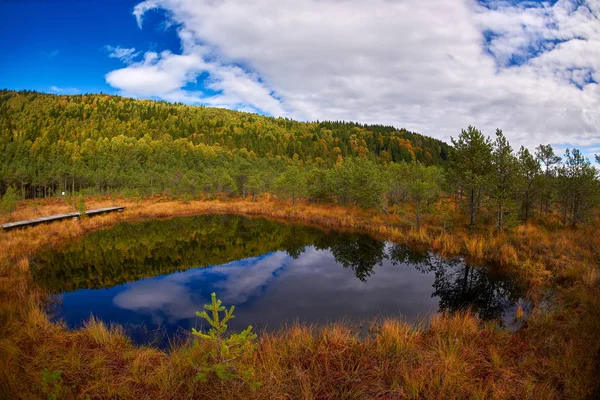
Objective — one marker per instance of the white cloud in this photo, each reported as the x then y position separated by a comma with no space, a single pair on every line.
127,55
159,298
60,90
172,298
431,66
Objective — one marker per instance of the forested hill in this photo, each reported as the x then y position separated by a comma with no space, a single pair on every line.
32,121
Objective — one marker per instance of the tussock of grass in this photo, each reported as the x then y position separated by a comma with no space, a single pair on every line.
554,356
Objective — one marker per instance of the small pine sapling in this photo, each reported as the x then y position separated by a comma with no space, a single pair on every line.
228,357
52,383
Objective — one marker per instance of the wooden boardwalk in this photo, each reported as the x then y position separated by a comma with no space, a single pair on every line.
57,217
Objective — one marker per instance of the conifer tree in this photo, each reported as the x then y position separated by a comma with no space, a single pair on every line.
358,180
529,177
577,187
471,164
545,154
424,188
291,184
8,203
504,177
228,356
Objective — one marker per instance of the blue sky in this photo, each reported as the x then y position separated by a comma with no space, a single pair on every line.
62,43
529,67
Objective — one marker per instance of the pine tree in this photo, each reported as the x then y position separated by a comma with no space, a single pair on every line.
578,188
529,177
504,177
8,204
424,188
471,163
545,154
229,356
291,184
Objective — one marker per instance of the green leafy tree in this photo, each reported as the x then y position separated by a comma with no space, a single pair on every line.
228,357
471,165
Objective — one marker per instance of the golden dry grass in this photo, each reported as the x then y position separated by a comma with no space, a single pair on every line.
554,356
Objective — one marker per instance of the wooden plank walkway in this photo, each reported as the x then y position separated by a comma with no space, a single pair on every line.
57,217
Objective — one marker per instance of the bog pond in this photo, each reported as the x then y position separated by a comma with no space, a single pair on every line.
151,277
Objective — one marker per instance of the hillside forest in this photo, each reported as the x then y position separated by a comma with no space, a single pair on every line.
101,144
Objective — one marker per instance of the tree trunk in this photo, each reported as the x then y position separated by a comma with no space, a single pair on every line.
472,207
456,200
500,222
526,206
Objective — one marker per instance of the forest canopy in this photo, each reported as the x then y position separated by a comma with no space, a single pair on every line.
97,143
52,142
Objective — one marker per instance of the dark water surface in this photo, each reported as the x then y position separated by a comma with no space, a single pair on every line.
151,277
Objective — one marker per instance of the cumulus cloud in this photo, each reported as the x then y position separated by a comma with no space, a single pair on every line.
244,280
164,75
431,66
60,90
178,296
259,285
163,300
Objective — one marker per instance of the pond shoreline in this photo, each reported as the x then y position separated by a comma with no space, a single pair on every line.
158,273
457,356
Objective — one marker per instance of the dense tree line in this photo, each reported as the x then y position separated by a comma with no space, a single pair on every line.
55,143
490,175
105,144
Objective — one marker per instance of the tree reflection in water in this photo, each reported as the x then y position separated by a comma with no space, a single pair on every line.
460,285
130,252
360,253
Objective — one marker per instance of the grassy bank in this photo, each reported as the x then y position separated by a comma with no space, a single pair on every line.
554,356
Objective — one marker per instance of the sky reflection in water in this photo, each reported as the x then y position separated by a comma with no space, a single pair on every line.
327,277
